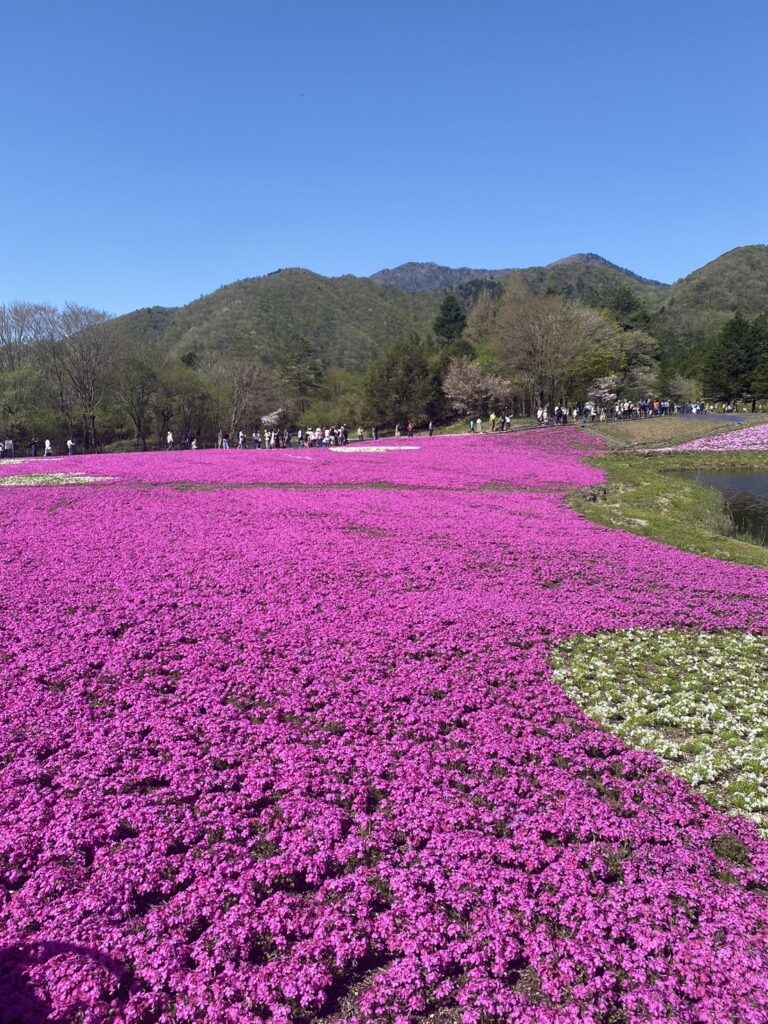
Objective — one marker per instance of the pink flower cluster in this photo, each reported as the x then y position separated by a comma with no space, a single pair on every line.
280,742
750,439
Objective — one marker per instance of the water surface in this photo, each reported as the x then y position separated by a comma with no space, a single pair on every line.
746,498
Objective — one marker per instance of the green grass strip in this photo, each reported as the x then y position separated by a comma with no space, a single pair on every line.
644,495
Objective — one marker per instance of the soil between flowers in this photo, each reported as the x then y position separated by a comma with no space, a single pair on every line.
257,767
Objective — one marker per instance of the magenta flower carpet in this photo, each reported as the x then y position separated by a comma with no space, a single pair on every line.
280,742
750,439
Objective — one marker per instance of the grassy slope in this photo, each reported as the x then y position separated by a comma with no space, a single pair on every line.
644,496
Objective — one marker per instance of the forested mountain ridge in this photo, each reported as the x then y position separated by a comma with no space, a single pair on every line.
576,274
696,308
307,348
431,277
349,321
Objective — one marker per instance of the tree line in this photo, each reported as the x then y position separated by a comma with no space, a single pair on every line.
76,372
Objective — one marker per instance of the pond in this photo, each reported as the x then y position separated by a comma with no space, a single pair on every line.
746,498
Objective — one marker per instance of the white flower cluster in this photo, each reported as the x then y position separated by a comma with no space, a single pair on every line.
48,479
698,700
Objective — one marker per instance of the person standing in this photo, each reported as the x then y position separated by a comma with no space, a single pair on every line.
169,440
429,428
47,449
225,440
70,446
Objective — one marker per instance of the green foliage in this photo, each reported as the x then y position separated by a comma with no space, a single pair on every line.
339,400
696,309
730,365
349,320
629,309
301,370
403,386
450,322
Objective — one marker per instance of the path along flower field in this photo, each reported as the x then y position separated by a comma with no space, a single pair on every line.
280,741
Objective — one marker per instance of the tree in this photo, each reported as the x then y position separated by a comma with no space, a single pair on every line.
450,322
466,386
301,371
730,362
244,389
403,386
137,386
22,325
479,332
85,359
471,389
540,342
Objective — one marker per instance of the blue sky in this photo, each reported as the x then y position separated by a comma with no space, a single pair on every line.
152,152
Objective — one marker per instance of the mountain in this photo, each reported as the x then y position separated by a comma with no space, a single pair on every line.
589,278
349,320
585,276
695,309
592,259
431,277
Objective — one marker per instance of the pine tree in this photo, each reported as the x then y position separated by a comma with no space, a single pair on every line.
450,322
403,386
730,362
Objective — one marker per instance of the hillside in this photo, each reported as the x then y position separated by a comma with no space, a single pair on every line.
350,320
695,308
431,277
586,276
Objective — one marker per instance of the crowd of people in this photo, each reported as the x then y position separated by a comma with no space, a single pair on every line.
35,448
324,437
318,437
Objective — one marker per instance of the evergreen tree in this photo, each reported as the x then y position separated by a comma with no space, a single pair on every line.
403,386
450,322
730,362
759,384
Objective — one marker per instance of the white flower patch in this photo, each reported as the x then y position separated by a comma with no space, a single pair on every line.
698,700
379,448
51,479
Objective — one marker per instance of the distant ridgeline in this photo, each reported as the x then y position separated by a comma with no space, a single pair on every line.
420,341
351,321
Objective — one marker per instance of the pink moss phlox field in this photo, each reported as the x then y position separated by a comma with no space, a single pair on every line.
750,439
459,463
294,753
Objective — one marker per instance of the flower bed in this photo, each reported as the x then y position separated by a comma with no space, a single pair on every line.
699,701
750,439
294,751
